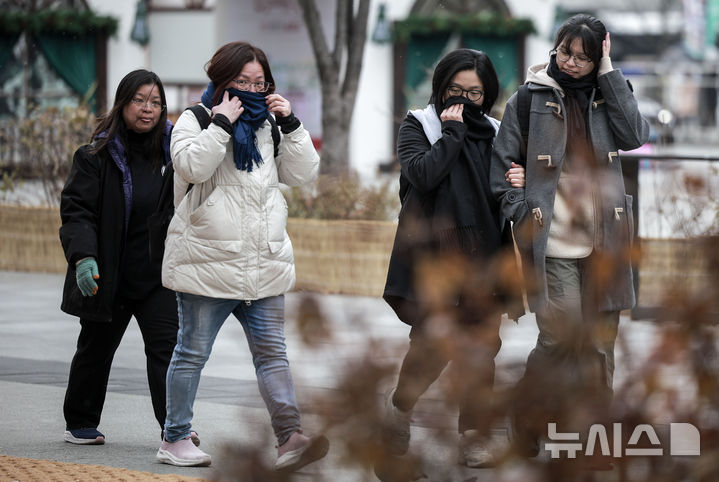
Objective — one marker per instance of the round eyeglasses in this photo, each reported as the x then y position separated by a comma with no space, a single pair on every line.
473,94
243,84
140,102
564,55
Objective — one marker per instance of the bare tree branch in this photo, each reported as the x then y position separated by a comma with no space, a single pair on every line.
341,29
355,48
317,38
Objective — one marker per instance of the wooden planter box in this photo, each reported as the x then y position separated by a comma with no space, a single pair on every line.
349,257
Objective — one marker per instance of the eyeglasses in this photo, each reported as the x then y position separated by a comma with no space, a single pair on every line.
140,102
243,84
474,94
563,55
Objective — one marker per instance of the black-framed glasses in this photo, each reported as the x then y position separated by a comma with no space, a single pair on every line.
243,84
473,94
564,55
140,102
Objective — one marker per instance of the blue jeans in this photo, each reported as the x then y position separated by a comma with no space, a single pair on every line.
200,320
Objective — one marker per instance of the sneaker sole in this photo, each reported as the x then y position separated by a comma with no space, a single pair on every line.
83,441
167,458
317,449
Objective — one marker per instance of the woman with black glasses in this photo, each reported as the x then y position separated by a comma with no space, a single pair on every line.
114,185
227,249
443,271
573,224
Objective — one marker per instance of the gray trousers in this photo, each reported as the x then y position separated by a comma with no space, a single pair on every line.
572,325
569,373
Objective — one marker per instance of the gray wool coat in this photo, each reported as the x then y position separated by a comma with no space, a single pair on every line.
614,123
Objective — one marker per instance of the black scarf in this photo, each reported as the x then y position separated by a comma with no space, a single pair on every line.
466,215
576,102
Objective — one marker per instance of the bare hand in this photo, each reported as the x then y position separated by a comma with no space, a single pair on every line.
606,45
515,175
278,105
230,108
453,112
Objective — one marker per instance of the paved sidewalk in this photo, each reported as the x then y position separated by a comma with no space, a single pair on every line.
37,342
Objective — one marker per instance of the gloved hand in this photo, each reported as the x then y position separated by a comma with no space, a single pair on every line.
86,273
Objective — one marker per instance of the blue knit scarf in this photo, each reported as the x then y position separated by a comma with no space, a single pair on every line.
244,141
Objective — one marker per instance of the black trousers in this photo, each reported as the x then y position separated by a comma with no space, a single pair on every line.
471,349
156,316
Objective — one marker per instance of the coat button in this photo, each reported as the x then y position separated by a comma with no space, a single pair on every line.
511,196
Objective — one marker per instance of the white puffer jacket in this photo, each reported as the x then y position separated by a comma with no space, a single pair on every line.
228,237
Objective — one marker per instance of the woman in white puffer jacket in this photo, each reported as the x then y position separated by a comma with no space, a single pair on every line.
227,250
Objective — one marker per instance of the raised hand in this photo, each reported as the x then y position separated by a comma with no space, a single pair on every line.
230,108
453,112
606,45
278,105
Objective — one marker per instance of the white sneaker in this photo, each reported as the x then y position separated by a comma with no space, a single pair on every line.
182,453
395,429
477,452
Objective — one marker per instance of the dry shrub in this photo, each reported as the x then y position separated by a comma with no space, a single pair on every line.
343,197
41,147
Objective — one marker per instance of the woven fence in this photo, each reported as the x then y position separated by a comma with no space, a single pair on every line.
351,257
29,239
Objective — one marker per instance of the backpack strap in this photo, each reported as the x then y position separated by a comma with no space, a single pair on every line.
524,103
201,114
275,133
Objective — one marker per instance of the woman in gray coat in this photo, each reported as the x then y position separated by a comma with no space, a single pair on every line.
572,221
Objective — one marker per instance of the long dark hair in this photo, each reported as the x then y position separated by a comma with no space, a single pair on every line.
457,61
113,124
590,30
229,60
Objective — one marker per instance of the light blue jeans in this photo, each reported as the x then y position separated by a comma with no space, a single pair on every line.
200,320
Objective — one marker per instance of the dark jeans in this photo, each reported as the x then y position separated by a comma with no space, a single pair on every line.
471,348
156,316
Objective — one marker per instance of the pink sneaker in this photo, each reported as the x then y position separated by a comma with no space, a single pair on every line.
182,453
299,451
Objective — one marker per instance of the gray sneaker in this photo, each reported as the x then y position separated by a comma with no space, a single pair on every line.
395,429
477,452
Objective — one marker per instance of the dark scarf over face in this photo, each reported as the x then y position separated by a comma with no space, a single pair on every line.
466,215
244,141
576,102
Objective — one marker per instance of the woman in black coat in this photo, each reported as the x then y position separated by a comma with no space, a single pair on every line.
442,278
113,187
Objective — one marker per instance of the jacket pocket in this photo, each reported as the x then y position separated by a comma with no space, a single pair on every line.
213,220
276,220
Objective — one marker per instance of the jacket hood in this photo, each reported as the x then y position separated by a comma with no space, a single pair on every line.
537,74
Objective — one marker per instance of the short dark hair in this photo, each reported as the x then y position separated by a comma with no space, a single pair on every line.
457,61
229,60
590,30
113,122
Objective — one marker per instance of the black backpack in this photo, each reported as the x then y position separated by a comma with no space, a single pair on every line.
159,221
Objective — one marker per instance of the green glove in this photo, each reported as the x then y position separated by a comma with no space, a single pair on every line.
86,273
